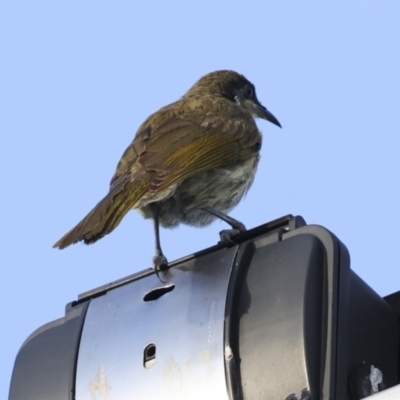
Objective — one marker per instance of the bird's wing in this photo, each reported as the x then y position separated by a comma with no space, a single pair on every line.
180,146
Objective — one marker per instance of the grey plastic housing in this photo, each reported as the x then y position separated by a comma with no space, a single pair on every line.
46,363
278,314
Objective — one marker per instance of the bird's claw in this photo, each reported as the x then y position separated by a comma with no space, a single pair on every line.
160,263
227,235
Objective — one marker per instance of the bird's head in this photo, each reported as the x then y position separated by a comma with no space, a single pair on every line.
236,88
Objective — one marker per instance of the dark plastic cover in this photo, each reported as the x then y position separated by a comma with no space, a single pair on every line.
302,324
45,365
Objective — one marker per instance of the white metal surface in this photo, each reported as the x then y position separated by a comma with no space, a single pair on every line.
389,394
186,325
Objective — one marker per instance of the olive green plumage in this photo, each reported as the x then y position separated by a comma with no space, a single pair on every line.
201,151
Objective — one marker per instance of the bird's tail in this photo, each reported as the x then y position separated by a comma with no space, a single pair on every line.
104,217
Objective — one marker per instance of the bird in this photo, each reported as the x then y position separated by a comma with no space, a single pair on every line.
191,162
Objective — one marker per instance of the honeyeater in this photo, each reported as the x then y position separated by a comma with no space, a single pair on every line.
190,162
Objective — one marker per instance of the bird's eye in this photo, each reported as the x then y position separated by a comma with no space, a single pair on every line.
248,91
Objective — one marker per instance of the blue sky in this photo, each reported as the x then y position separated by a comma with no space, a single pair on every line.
78,78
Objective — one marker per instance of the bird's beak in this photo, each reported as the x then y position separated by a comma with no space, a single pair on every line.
263,113
256,109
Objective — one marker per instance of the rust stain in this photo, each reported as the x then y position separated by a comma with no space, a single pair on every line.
98,386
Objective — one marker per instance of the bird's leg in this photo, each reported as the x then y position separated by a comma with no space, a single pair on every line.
227,234
159,260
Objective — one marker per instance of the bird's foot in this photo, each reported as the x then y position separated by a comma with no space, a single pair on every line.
227,235
160,263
